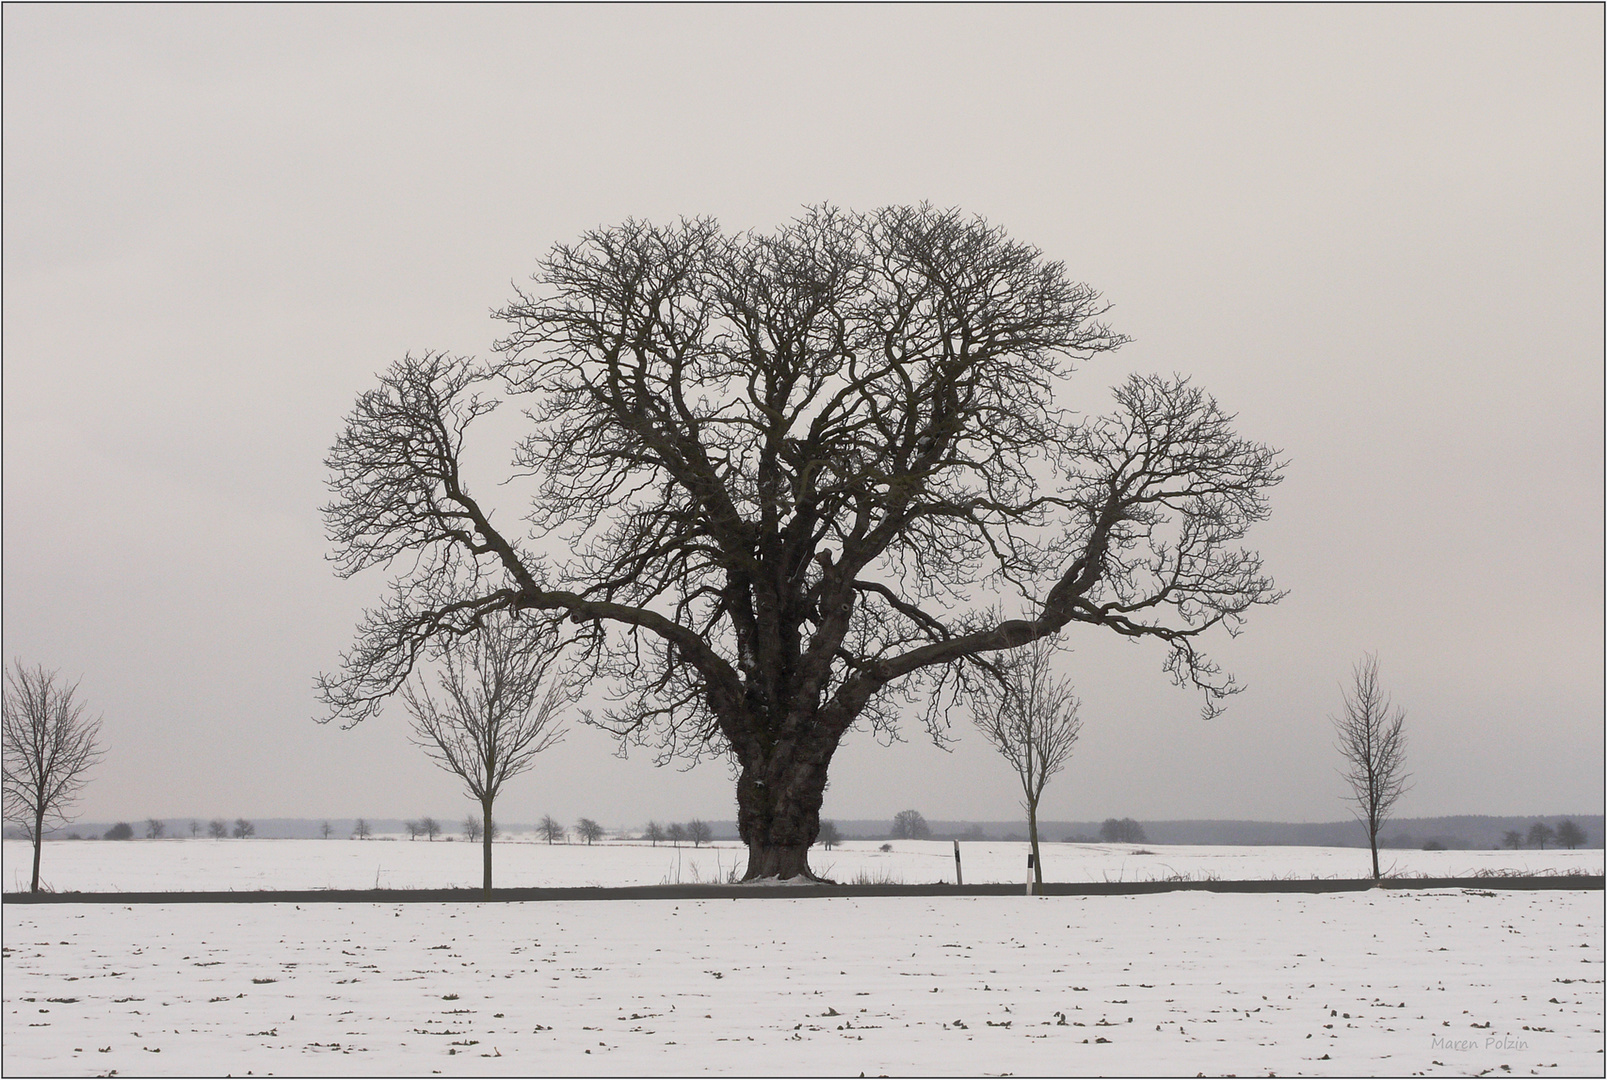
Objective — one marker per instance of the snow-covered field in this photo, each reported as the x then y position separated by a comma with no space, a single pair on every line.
244,865
1377,982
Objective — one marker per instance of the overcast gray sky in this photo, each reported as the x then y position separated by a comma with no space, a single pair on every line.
1373,232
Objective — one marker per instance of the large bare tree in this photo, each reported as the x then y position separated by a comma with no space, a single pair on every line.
498,709
49,746
779,482
1373,743
1030,716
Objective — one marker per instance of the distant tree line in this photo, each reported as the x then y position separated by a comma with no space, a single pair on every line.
426,827
908,824
155,829
1567,834
696,832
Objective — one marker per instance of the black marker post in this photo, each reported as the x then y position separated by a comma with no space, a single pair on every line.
959,879
1029,873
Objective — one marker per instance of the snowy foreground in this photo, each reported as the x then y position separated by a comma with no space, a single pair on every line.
1382,982
247,865
1462,981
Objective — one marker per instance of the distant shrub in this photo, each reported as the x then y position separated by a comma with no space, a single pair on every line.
886,848
1123,831
121,831
1433,845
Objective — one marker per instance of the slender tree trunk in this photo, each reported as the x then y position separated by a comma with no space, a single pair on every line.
38,840
1032,834
778,814
485,806
1372,838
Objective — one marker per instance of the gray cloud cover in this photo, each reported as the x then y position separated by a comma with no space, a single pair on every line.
1374,233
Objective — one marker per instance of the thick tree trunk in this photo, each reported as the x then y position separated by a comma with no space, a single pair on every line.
486,837
1372,839
38,839
778,815
1032,834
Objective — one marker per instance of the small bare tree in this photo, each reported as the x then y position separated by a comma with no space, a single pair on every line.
829,836
698,832
1541,834
217,829
49,747
473,829
675,833
1030,717
1373,744
431,827
155,828
499,708
588,830
325,829
195,828
243,829
653,832
552,830
413,829
361,829
1570,835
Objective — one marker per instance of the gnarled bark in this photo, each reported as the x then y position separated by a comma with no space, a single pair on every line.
778,814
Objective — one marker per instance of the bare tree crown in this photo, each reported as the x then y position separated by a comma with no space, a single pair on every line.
775,475
498,704
787,459
1030,715
50,745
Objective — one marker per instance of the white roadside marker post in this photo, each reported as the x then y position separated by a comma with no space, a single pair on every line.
1029,873
959,878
